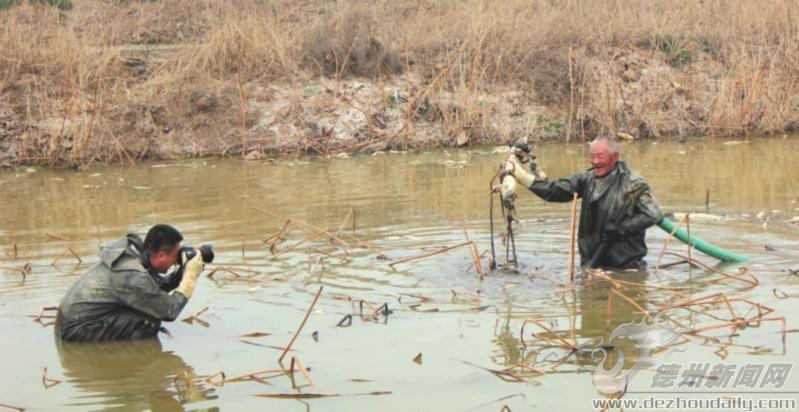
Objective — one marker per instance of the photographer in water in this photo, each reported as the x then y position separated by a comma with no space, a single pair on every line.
129,293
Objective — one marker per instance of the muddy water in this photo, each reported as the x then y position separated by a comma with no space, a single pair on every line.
405,205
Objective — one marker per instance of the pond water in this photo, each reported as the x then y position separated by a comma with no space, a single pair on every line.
405,204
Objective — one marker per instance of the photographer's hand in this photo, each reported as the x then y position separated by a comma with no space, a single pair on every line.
191,272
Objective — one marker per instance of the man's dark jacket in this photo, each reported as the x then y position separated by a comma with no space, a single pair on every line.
621,196
118,298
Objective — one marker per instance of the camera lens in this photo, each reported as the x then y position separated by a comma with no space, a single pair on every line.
207,252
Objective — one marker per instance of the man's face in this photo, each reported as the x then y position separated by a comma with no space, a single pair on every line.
601,159
163,260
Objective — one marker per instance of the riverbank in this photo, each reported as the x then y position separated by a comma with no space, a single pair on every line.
125,81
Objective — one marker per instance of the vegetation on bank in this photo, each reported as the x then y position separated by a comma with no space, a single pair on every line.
109,81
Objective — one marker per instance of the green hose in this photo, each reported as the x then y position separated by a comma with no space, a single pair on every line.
716,252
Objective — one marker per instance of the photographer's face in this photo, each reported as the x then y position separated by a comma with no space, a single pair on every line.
163,260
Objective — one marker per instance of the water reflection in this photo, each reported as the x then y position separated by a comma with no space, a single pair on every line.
594,334
135,375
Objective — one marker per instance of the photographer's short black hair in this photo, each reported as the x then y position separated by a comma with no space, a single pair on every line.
162,237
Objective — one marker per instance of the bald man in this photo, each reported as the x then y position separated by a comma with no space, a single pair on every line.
618,206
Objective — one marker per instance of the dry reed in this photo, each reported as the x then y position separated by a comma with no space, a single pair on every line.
122,81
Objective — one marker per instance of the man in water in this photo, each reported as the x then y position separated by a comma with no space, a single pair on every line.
127,295
618,206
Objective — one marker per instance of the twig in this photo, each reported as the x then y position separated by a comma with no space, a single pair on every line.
210,378
195,316
690,240
502,374
296,360
471,265
305,319
75,254
341,226
254,376
306,239
743,271
272,240
668,239
476,259
344,245
563,343
739,322
48,382
68,249
611,292
425,255
24,270
360,243
318,395
42,315
345,322
56,236
5,405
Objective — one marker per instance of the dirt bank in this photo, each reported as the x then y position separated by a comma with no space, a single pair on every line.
125,81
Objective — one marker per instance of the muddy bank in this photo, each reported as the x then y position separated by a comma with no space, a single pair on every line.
125,82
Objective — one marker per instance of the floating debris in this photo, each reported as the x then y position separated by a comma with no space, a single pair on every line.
45,313
70,251
345,322
196,317
418,358
318,395
23,270
255,335
47,381
18,408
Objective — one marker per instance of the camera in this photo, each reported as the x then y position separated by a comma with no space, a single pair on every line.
206,251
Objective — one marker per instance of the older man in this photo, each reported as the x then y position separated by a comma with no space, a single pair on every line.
126,295
618,206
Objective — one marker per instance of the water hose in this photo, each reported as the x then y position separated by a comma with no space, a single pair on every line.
701,245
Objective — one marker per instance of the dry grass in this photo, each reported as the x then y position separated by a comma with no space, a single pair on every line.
78,86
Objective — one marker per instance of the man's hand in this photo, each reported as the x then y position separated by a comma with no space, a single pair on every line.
612,232
514,167
191,271
538,172
522,156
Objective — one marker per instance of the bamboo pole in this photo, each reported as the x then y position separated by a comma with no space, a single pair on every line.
572,228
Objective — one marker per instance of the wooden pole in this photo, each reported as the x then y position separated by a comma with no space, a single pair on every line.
572,228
